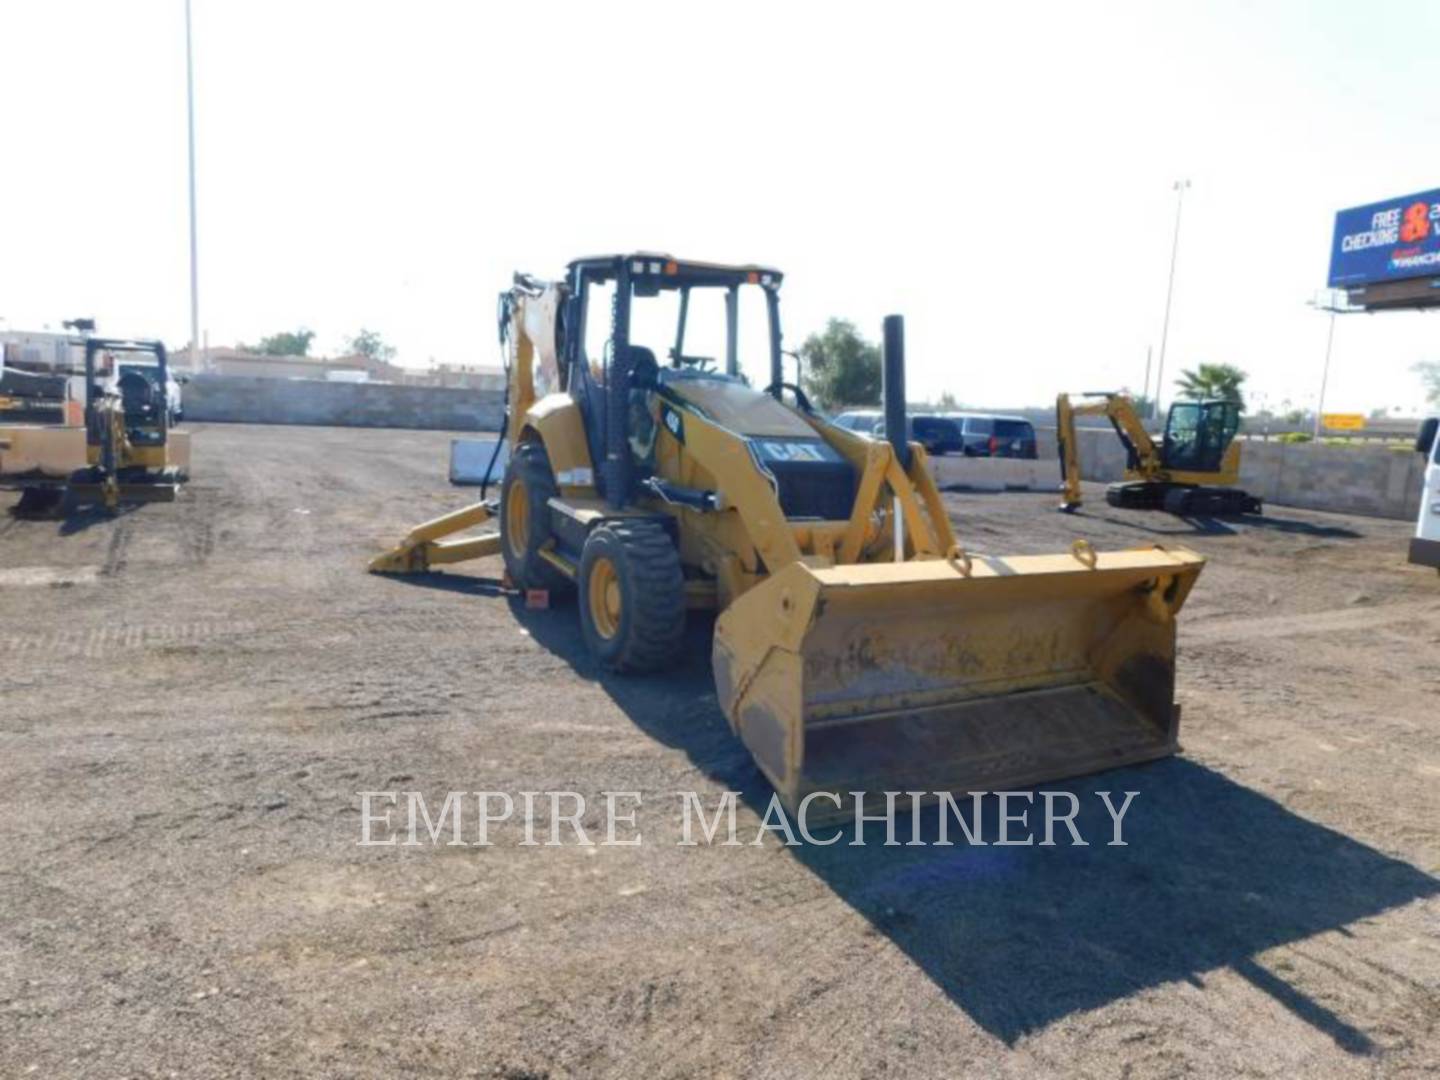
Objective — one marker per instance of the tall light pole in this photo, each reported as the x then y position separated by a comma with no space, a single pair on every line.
1333,308
196,361
1179,189
1325,374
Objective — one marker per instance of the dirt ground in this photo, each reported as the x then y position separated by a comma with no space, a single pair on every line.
193,695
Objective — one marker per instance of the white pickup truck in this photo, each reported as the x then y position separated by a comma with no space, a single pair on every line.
1425,545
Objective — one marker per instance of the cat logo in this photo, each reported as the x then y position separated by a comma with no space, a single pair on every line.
673,422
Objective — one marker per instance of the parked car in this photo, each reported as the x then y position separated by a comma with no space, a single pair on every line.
860,421
997,436
937,433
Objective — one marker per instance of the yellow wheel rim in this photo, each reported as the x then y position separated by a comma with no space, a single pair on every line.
517,518
604,596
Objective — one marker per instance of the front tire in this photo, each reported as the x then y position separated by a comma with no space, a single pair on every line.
632,596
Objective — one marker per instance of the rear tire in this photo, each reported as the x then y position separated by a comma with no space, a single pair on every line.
632,596
525,519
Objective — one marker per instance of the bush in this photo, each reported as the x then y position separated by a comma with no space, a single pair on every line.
1293,437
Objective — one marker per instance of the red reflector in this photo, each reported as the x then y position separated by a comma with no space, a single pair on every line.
994,444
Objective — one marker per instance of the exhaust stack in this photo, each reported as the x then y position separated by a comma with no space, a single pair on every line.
892,365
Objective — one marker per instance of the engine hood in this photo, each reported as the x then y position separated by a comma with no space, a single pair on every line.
733,405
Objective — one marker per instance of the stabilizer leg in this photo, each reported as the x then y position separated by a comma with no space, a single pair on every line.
423,548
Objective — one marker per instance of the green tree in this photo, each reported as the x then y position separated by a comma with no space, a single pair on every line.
1429,372
369,344
1210,382
947,402
841,367
285,343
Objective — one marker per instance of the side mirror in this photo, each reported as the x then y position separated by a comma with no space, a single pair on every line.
1425,440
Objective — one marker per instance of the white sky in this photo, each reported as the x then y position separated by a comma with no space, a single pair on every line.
1000,174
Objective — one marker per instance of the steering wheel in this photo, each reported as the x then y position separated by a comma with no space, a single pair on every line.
695,363
800,399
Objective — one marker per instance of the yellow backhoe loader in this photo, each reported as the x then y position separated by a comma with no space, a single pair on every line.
859,647
1188,472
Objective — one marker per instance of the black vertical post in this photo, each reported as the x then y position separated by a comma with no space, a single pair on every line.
616,468
732,330
679,349
777,356
91,347
892,364
163,364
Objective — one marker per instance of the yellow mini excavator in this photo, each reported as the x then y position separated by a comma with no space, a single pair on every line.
859,647
1179,474
126,450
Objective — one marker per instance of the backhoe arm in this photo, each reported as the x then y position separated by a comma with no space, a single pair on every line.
1143,456
528,321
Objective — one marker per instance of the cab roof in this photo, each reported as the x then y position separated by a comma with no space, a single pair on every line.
658,262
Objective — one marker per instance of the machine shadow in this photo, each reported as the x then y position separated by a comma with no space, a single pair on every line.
1212,874
1303,528
1170,525
78,519
465,584
1209,526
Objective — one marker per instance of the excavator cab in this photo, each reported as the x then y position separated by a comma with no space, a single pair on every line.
1197,434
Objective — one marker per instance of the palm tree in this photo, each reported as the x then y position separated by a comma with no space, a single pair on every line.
1210,382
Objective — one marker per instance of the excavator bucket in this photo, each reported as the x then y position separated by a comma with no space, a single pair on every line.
962,674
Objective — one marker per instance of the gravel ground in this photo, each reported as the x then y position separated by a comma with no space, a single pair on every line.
194,695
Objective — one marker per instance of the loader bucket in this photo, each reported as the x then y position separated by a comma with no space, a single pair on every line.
966,674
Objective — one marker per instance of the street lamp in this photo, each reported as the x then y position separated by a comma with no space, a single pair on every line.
196,361
1328,303
1179,187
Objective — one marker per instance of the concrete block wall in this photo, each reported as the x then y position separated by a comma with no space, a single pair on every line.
1350,480
255,400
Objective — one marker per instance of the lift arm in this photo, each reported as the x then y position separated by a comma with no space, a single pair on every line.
1143,455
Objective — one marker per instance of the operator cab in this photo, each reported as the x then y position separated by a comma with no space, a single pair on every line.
1197,434
648,337
138,372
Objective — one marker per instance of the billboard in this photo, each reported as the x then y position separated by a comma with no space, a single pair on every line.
1386,241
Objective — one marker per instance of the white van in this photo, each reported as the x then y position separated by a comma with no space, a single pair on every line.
1425,546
